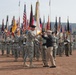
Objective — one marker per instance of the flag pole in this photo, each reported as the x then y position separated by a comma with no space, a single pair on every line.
50,8
50,12
19,20
19,13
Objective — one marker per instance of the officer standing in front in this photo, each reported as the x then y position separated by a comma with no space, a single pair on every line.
30,46
16,45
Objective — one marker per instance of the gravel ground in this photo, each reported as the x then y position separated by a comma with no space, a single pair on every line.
65,66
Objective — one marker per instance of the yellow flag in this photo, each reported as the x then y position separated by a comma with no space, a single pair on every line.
14,27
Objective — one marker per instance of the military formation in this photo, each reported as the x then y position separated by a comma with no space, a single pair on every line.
46,45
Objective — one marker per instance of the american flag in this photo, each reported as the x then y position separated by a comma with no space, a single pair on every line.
24,18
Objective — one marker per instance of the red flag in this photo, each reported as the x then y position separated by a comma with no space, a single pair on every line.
48,24
8,33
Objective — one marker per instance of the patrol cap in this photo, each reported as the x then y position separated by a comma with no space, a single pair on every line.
33,26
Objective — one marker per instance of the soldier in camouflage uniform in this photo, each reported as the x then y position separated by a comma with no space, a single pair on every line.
36,48
30,46
55,46
43,51
2,43
2,46
22,43
61,45
24,47
71,46
16,46
67,46
11,44
8,45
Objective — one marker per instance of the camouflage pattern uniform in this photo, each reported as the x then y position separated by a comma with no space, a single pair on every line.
16,46
2,43
8,46
71,48
43,52
67,47
55,46
61,46
36,48
2,46
22,43
29,47
11,44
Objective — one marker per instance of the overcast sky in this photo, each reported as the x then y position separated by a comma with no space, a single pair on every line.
59,8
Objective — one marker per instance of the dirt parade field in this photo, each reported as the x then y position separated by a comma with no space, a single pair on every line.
65,66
